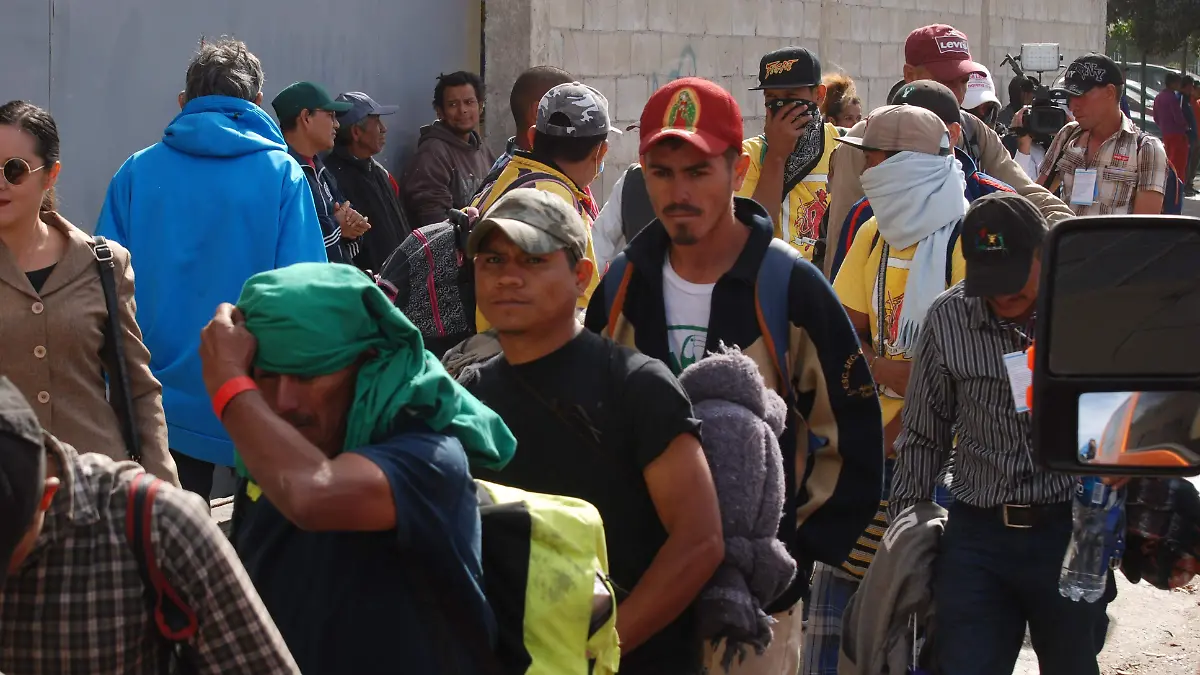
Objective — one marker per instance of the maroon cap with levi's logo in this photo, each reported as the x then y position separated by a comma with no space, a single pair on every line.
942,50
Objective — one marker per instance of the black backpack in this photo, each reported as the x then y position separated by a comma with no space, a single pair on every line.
636,210
430,279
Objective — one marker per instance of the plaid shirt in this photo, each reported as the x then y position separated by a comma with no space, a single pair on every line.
1122,168
77,605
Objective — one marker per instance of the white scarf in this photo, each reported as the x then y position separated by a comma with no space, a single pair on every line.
917,199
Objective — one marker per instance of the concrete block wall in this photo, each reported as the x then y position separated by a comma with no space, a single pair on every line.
628,48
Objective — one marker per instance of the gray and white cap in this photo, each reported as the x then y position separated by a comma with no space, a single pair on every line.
574,110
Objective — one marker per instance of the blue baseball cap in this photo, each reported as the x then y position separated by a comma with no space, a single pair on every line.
361,107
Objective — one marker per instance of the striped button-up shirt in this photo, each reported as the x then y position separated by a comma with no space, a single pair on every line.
960,388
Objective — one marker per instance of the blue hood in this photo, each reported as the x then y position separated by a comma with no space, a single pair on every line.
216,202
223,126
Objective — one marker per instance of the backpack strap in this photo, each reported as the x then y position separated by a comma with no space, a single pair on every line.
954,234
535,176
1062,149
112,353
175,620
615,281
771,297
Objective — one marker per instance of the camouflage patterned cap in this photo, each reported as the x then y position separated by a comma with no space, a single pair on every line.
574,110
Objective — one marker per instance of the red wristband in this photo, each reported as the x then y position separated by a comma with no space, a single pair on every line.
229,390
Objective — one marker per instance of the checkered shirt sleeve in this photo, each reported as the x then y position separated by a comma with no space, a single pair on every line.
1152,166
236,633
77,604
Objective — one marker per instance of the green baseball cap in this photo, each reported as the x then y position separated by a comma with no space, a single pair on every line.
305,96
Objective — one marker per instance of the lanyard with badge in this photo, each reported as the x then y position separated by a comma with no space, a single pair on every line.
1018,367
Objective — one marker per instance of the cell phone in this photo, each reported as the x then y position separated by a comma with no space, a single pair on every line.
781,103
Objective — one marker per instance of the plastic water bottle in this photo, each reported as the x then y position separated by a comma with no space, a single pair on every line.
1097,540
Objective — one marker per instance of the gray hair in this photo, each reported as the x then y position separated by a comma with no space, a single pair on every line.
224,68
344,137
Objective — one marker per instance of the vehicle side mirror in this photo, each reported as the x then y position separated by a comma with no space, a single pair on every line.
1116,366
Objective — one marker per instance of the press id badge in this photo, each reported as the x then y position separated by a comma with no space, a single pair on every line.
1020,377
1084,189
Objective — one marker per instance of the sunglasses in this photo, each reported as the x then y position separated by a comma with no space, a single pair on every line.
16,170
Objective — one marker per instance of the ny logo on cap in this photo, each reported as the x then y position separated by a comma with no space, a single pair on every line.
952,43
986,241
683,112
777,67
1086,71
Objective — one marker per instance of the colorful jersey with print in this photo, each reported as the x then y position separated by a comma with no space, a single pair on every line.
857,286
522,164
805,205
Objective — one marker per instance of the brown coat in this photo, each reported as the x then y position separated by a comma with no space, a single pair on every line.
444,174
50,346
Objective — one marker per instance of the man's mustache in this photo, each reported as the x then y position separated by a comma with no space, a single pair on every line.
682,210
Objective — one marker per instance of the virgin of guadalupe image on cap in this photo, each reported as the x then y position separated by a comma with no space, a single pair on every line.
684,110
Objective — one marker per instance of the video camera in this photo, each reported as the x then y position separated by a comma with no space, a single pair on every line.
1048,113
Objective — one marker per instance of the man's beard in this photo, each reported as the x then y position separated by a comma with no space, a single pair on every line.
683,235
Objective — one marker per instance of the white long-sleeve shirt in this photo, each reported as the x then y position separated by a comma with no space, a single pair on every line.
608,234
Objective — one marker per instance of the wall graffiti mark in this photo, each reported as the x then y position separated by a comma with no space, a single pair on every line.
684,66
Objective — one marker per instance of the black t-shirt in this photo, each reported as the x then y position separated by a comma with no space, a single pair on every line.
589,418
347,602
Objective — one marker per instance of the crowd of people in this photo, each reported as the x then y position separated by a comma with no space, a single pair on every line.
376,346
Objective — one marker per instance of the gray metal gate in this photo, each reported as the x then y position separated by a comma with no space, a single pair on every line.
110,70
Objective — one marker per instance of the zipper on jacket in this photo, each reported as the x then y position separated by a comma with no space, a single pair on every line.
430,285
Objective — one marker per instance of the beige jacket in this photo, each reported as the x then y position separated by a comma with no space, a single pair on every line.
846,166
50,346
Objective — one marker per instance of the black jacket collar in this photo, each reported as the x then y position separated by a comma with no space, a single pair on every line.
648,250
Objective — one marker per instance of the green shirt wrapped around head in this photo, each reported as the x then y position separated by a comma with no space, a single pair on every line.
313,319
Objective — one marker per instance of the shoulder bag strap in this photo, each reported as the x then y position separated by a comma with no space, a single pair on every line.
113,352
174,620
771,295
1053,175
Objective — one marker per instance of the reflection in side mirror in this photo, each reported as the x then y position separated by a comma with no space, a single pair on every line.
1146,428
1116,371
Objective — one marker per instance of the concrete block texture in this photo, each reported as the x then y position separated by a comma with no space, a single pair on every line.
628,48
565,13
661,15
614,50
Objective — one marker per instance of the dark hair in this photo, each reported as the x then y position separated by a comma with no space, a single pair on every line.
458,79
565,148
1017,87
1173,78
1189,81
839,93
530,87
224,68
37,123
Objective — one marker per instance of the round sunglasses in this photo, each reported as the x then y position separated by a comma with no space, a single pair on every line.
16,170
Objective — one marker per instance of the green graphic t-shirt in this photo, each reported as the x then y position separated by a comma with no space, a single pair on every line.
688,306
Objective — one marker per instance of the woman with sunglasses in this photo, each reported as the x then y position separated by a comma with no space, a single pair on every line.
52,308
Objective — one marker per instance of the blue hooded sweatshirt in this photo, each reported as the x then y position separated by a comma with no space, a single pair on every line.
216,202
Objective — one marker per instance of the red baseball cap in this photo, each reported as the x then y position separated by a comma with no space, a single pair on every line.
695,110
941,49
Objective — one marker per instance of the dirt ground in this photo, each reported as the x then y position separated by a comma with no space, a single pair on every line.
1153,632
